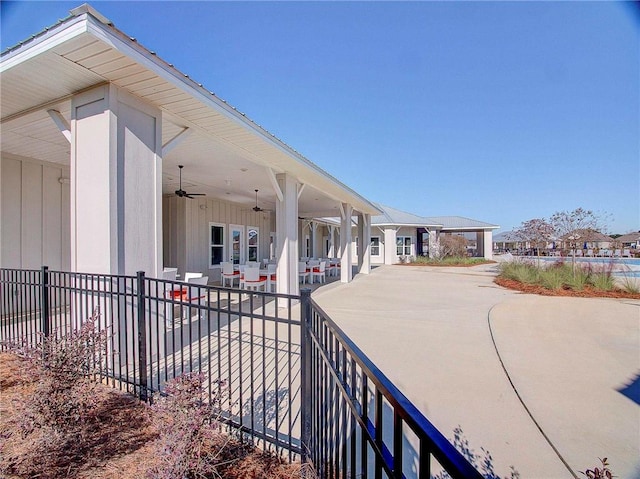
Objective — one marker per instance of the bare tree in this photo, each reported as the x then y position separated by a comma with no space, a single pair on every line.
577,226
453,245
538,232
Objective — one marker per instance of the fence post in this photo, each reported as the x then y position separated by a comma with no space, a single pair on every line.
44,302
305,374
142,336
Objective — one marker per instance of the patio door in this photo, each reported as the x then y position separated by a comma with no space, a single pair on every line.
236,243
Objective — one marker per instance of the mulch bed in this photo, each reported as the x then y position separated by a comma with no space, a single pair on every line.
444,265
587,292
119,446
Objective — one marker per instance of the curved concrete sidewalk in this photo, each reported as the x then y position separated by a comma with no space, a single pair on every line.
429,330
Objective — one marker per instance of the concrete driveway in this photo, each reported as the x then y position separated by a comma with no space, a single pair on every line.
546,384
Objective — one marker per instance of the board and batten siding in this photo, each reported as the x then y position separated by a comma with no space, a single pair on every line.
186,231
35,212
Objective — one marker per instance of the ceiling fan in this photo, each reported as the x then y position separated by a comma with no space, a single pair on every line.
183,194
256,208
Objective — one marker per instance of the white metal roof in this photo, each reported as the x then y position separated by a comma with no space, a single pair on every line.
227,156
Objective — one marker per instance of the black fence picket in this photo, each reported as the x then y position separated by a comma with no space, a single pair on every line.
280,372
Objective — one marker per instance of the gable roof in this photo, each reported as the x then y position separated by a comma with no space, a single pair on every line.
629,237
395,217
86,50
461,223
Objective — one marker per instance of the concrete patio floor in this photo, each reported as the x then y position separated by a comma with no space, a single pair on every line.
546,384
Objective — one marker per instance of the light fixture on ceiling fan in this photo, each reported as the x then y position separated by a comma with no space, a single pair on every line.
183,194
256,208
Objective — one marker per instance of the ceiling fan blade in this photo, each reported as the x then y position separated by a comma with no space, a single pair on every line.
198,194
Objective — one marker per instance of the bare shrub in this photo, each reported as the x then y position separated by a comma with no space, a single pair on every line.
453,245
599,472
190,443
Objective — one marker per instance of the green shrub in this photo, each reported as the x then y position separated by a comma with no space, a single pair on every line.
521,272
630,284
449,261
554,278
578,280
602,281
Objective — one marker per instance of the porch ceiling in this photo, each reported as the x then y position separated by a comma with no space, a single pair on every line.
226,156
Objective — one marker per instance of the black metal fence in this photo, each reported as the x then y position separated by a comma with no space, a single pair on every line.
284,374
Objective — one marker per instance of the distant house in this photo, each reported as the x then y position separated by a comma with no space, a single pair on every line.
630,240
587,239
396,234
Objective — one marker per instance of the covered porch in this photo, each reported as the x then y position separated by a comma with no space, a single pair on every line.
94,126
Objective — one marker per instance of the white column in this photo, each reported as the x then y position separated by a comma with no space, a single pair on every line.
488,244
364,245
287,233
116,183
313,231
346,259
390,250
332,242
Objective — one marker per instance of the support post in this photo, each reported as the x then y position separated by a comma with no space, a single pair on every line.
305,374
44,303
142,337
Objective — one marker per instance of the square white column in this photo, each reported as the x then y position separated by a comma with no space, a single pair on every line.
346,256
116,183
287,233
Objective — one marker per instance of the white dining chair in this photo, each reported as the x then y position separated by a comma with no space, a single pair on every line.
303,272
189,276
197,294
253,280
319,272
229,273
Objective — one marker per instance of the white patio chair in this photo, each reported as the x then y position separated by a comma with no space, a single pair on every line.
303,272
578,253
170,273
589,253
273,280
332,267
606,253
319,272
195,294
228,273
626,253
190,276
253,280
617,253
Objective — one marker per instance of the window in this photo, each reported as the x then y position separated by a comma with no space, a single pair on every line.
253,241
375,246
216,244
403,245
307,246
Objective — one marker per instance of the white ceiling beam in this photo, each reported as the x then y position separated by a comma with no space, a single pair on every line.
61,123
301,189
274,183
176,140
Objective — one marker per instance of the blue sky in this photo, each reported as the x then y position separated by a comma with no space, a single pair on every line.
497,111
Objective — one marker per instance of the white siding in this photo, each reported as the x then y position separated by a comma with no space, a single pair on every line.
35,214
186,231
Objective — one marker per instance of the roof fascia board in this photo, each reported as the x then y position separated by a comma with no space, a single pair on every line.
417,225
469,228
186,84
59,34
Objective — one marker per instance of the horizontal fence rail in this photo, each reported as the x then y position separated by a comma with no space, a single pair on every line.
360,425
279,370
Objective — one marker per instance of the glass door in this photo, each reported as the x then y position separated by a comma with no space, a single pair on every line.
236,241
